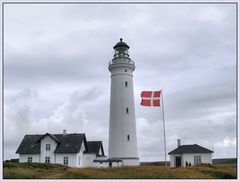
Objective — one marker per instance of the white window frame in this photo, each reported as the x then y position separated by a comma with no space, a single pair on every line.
48,147
197,159
65,160
47,159
29,159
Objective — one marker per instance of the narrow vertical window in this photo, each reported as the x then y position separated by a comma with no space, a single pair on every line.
65,160
127,110
128,137
126,84
48,147
47,160
79,160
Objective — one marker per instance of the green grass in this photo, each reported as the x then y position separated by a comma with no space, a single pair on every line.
14,170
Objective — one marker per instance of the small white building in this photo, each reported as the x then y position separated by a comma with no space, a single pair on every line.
193,154
68,149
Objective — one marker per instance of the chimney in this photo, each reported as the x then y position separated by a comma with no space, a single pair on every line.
178,142
64,132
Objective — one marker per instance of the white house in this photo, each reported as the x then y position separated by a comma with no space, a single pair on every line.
193,154
68,149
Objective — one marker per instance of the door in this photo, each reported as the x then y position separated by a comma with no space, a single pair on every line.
178,161
110,164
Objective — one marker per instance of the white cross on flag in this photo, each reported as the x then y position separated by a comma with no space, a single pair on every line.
151,98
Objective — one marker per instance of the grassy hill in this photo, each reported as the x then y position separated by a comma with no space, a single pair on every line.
15,170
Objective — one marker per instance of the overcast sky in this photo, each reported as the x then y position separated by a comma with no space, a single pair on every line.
56,72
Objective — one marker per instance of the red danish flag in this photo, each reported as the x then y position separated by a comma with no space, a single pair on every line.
150,98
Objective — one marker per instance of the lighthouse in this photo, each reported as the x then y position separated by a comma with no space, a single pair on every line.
122,124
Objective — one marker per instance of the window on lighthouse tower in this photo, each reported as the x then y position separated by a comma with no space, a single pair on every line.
127,110
128,137
126,84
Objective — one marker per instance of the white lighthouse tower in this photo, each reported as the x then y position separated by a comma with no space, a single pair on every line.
122,127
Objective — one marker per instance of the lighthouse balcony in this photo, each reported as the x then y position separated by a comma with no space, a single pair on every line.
122,61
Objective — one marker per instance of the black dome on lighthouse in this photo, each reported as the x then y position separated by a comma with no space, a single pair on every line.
121,44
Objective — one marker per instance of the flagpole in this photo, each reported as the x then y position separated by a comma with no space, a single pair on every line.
164,132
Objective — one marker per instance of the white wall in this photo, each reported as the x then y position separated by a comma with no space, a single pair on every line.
106,164
80,157
100,151
101,157
172,160
72,159
118,164
24,157
100,165
48,140
131,162
205,158
88,159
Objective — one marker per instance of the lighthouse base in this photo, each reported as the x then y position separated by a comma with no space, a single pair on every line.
128,161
